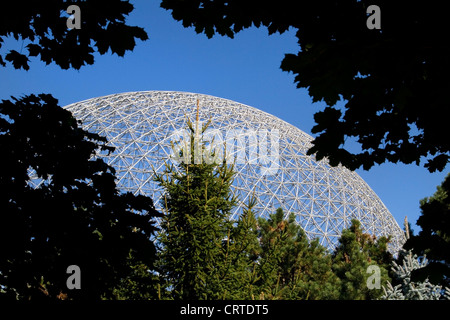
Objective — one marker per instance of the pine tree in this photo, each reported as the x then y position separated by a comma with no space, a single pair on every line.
316,280
195,229
281,241
352,258
140,284
290,267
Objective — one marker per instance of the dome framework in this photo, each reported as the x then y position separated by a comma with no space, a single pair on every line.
324,199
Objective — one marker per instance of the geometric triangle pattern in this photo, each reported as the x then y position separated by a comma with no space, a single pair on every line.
269,156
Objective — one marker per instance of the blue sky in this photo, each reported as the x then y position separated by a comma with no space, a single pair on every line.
245,69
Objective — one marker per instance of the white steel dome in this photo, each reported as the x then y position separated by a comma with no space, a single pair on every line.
141,126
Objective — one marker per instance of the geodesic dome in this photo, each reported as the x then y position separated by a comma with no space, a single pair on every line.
269,154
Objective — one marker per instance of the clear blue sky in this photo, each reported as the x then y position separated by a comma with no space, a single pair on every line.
245,69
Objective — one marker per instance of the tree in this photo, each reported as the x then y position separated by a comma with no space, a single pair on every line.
43,24
352,258
243,251
141,282
76,214
291,267
434,238
408,289
61,207
195,229
393,81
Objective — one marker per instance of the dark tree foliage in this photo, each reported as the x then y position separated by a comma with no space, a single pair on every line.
434,238
394,81
41,26
76,216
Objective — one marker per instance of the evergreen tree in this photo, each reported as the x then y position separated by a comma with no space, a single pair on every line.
352,258
408,289
140,284
316,280
241,260
290,267
195,229
279,243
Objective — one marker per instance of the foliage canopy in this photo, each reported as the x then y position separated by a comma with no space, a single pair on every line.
394,81
43,25
74,216
433,241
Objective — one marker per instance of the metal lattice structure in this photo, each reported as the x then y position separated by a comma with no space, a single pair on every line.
140,125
